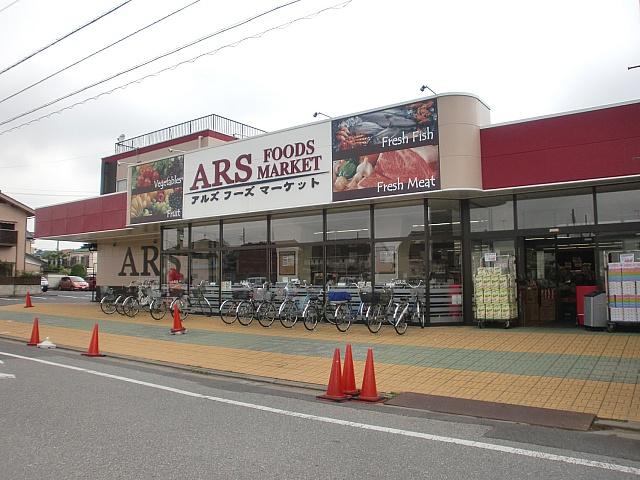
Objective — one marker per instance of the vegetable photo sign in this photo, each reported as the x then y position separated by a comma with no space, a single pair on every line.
156,191
393,151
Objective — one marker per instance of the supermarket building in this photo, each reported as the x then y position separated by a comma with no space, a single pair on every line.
427,190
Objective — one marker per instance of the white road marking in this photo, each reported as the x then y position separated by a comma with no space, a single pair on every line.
11,299
364,426
70,296
6,375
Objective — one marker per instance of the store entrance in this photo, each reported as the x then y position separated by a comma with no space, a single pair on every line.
559,271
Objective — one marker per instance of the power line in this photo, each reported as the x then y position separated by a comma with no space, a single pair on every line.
63,37
135,67
97,52
7,6
60,160
173,67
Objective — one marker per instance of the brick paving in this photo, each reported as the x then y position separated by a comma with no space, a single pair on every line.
568,369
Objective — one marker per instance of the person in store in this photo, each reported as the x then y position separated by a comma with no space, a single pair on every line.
175,279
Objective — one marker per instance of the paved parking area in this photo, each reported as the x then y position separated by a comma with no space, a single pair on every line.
567,369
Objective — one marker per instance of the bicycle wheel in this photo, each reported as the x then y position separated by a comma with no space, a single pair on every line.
158,309
310,317
245,313
107,306
266,314
288,314
118,303
375,316
131,306
205,306
228,311
400,318
184,306
343,317
417,316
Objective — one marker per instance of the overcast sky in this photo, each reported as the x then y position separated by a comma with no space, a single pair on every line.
522,58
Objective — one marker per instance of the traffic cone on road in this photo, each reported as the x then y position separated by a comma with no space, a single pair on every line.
94,351
348,377
334,389
369,392
177,329
35,334
27,303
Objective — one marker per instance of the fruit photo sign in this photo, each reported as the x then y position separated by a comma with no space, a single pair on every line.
156,190
392,151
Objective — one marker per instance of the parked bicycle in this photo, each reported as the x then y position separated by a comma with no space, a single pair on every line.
290,310
410,310
348,312
108,301
326,306
387,309
187,304
142,298
259,306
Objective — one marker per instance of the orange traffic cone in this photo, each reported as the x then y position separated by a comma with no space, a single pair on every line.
369,392
28,303
348,377
334,389
94,351
177,329
35,334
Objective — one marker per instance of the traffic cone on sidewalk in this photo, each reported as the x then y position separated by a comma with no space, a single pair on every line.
27,303
348,376
94,351
369,392
177,329
334,389
35,334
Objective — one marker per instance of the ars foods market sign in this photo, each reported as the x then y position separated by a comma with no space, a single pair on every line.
386,152
286,169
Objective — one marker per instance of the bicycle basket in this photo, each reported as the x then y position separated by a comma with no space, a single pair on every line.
262,295
240,294
339,296
368,297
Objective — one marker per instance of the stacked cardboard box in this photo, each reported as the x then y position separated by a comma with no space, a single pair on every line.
495,294
623,285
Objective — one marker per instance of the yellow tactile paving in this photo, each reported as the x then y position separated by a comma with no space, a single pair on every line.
607,400
466,338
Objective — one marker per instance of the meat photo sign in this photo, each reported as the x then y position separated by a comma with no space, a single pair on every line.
286,169
386,152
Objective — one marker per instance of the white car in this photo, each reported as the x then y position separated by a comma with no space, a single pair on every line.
44,284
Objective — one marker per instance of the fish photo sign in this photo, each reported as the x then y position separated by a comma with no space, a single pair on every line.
393,151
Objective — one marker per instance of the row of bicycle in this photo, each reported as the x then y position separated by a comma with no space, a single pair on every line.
146,296
334,306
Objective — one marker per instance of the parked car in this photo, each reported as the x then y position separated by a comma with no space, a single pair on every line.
73,283
44,284
91,280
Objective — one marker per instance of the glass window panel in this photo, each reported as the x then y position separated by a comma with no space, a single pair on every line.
299,265
402,260
348,224
296,229
245,233
204,268
348,264
548,210
175,238
444,216
205,237
399,221
618,204
247,266
491,214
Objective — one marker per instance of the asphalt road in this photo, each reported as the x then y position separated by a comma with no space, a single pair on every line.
51,296
107,418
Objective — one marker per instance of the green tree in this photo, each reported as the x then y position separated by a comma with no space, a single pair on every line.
79,270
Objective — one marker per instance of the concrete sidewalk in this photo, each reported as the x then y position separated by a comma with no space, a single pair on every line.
575,370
